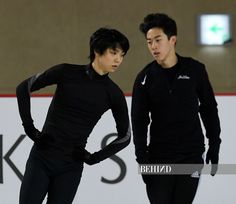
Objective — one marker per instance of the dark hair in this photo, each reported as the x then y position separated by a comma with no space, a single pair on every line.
159,20
105,38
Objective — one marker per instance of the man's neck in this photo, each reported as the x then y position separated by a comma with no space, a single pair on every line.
97,68
169,62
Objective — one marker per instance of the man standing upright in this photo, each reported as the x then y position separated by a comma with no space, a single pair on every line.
168,94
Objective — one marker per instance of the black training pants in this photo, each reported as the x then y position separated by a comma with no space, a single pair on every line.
58,178
173,189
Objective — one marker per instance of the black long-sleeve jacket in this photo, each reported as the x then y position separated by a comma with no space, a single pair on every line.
173,111
81,98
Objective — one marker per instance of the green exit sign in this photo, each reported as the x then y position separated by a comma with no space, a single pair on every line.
214,29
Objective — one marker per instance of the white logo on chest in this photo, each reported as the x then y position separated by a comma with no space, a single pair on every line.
144,80
183,77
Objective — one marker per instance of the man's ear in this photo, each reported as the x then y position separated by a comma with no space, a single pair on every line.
173,39
96,54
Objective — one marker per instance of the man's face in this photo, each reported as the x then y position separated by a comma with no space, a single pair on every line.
110,60
159,45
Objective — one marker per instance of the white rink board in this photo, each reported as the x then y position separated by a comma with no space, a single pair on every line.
130,190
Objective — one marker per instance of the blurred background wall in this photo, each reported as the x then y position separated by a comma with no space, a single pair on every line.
35,35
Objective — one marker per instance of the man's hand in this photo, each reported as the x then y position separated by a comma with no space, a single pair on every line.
85,156
213,157
142,158
91,159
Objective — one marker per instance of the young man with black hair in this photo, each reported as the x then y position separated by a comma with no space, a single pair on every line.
83,94
168,94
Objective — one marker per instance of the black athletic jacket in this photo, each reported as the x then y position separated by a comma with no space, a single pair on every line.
81,98
172,111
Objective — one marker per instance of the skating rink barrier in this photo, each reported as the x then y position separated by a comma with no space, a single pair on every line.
114,180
